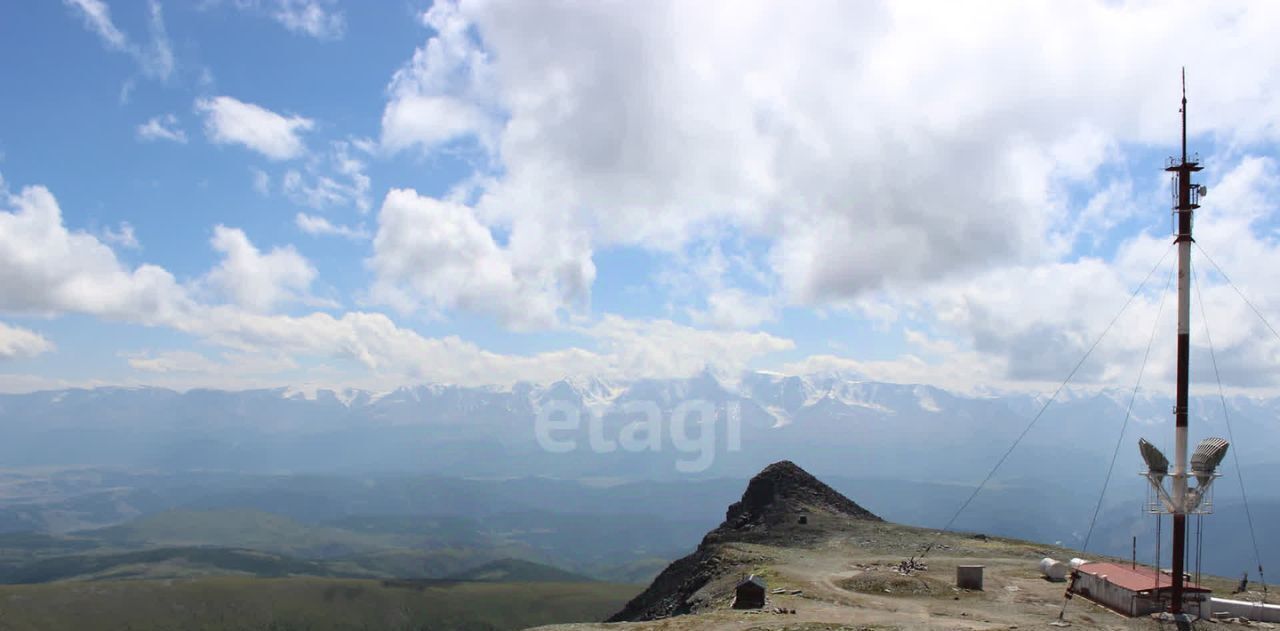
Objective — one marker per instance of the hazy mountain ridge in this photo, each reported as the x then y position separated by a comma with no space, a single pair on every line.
490,431
421,525
911,452
789,394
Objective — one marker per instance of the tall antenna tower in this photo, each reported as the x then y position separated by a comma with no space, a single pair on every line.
1181,499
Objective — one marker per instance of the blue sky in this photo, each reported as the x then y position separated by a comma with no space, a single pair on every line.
292,192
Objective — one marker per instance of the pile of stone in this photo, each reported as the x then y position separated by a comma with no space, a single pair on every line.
911,566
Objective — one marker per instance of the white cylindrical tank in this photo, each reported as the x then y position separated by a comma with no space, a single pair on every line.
1077,562
1053,569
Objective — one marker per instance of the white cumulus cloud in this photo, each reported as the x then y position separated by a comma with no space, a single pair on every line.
735,309
255,280
319,226
231,121
163,127
46,268
920,144
19,343
444,92
436,254
1026,326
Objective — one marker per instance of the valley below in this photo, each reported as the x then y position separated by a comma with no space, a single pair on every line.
408,509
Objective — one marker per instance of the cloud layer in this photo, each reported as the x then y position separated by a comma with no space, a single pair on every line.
917,145
964,182
927,163
240,306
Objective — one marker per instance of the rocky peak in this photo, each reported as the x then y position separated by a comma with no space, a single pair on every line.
770,511
783,490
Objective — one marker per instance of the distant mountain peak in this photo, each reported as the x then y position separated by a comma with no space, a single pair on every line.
770,511
782,490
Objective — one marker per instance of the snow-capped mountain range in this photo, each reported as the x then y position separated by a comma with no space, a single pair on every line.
837,423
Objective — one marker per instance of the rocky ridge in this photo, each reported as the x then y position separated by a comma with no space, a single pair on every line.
782,504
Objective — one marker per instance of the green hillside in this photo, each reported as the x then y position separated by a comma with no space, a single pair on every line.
187,543
165,544
413,562
163,563
367,546
518,570
313,604
243,529
19,547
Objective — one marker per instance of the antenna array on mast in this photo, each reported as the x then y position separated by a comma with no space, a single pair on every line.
1178,498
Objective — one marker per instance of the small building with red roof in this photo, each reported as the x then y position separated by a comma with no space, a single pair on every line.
1133,591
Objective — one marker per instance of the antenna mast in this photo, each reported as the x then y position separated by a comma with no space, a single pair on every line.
1187,200
1180,499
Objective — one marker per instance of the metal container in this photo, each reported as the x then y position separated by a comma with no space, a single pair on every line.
1053,570
969,577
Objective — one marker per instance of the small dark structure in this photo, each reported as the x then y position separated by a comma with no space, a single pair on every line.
750,593
804,519
969,577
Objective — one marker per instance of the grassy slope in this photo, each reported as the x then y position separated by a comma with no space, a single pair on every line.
361,551
314,604
245,529
163,562
518,570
